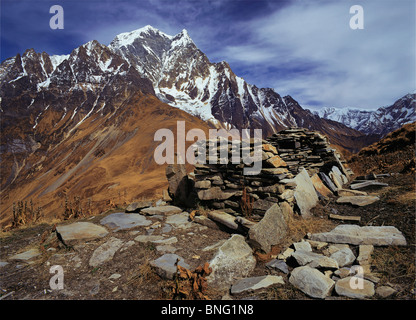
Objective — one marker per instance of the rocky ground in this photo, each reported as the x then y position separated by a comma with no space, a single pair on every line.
116,255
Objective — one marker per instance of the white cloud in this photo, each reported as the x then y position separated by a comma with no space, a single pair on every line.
360,68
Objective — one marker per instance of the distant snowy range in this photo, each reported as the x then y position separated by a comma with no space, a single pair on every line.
380,121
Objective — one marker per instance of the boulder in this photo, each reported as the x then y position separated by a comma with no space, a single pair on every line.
359,201
234,259
180,185
356,235
165,265
255,283
355,287
312,282
270,230
105,252
305,194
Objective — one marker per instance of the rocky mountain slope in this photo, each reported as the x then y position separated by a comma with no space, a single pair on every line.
381,122
82,125
394,153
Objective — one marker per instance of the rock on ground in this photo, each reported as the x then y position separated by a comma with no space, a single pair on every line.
162,210
122,221
105,252
355,287
356,235
270,230
343,257
255,283
165,265
359,201
234,259
305,194
81,231
312,282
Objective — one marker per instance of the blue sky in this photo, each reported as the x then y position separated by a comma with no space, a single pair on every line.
302,48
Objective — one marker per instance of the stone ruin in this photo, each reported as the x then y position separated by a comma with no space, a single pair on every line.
298,167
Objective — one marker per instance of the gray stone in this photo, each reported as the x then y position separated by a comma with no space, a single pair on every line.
234,259
328,182
385,291
255,283
355,287
305,194
303,245
347,193
223,218
27,255
311,281
364,254
81,231
148,238
270,230
167,228
278,265
105,252
359,201
204,184
167,241
3,263
366,184
179,220
162,210
314,260
356,235
137,206
344,257
122,221
165,265
166,248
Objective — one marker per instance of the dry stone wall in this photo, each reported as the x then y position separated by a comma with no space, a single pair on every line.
222,184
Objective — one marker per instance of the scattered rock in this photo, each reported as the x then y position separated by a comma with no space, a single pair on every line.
359,201
114,276
165,265
303,245
344,218
364,254
224,218
356,235
354,287
137,206
148,238
314,260
26,255
328,182
167,241
286,254
162,210
347,193
166,249
317,244
385,291
343,257
366,184
270,230
105,252
122,221
234,259
311,281
81,231
278,265
255,283
319,186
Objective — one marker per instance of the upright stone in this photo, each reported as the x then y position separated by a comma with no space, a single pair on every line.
234,259
305,194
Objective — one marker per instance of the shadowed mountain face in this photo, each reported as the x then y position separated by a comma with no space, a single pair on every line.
83,124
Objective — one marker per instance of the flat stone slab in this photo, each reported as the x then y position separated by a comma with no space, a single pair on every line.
105,252
356,235
355,287
162,210
371,183
81,231
314,260
165,265
278,265
346,193
148,238
122,221
27,255
359,201
255,283
179,220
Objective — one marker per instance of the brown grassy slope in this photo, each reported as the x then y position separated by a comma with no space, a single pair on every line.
107,161
393,153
